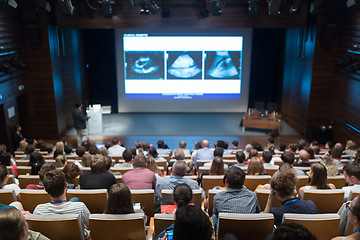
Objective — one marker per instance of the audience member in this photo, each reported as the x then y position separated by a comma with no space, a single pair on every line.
182,196
255,167
154,154
60,161
162,148
283,185
4,176
55,186
98,177
71,171
240,159
59,146
336,153
310,151
86,159
128,158
293,148
80,151
291,230
352,177
36,161
22,146
204,153
68,150
266,158
354,217
350,149
119,200
182,146
304,159
116,149
289,158
6,160
151,165
43,170
235,144
282,147
318,175
140,177
257,146
253,153
104,151
331,167
248,147
301,144
28,150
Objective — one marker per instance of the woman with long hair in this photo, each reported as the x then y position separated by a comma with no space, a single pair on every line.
119,200
331,167
318,175
217,167
255,167
151,164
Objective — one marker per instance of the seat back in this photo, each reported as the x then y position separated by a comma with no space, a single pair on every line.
354,194
146,199
251,182
162,221
117,226
211,194
339,181
326,201
196,195
24,170
161,163
56,226
201,170
30,198
94,199
7,196
302,181
271,171
210,182
322,226
22,162
262,197
243,225
25,180
120,170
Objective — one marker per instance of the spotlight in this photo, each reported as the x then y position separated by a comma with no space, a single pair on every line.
106,6
66,7
253,6
11,3
296,6
274,7
149,7
204,12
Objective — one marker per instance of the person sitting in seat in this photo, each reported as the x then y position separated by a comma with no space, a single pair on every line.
43,170
4,176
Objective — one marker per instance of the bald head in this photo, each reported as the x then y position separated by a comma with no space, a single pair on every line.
182,144
304,155
179,168
205,143
179,154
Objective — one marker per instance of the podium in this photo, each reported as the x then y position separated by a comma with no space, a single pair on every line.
95,121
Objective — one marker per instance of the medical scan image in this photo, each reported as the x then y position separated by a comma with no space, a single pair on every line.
144,65
222,65
184,65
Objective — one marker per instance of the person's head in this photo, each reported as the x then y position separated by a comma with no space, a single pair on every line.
68,149
115,141
288,157
205,143
310,151
98,164
329,144
44,169
350,144
235,144
220,144
248,147
235,178
119,200
179,154
336,153
271,148
5,159
352,173
151,165
304,155
78,105
182,195
284,182
145,146
49,148
255,167
127,155
318,174
60,161
198,145
291,230
153,152
93,150
314,143
282,147
55,183
217,166
253,153
293,147
108,162
354,213
3,175
57,153
3,148
271,140
182,144
218,152
179,168
13,225
103,151
316,149
41,145
86,159
59,145
266,156
240,156
257,146
191,223
226,145
36,162
139,161
29,149
71,171
138,145
22,146
301,144
161,144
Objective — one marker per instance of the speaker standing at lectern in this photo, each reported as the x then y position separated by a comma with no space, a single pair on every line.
80,118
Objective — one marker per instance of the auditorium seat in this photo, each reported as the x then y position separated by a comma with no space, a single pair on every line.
7,196
301,182
117,226
56,226
161,222
10,179
19,157
25,180
146,199
201,170
94,199
271,171
24,170
245,226
161,163
10,170
354,194
230,157
322,226
167,157
192,177
339,181
211,194
229,162
210,181
196,195
30,198
120,170
262,197
251,182
22,162
326,200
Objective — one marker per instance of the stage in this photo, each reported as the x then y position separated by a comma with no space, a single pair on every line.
174,127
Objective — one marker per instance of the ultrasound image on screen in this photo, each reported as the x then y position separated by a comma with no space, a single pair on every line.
184,65
222,65
144,65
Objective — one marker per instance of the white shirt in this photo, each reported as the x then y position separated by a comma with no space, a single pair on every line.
348,190
116,150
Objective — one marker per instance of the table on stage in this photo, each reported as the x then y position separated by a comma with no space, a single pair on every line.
253,120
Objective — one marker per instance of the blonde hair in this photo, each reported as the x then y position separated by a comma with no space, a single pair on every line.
60,161
255,167
59,145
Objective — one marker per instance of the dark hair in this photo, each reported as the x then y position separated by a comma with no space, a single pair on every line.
127,155
288,157
356,208
220,144
139,161
153,152
291,230
77,104
93,150
5,159
29,149
267,156
240,156
57,152
68,148
49,147
293,147
12,223
352,170
133,151
218,152
226,145
284,182
182,195
54,183
44,169
235,177
2,148
336,153
71,171
319,178
3,173
115,141
108,162
119,200
330,144
97,163
310,151
217,166
36,162
301,144
235,143
257,146
41,145
271,140
282,147
161,144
